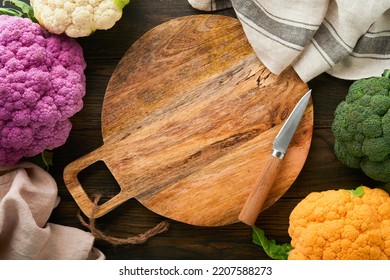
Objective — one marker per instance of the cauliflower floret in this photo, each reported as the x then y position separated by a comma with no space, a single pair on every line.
78,18
42,84
343,225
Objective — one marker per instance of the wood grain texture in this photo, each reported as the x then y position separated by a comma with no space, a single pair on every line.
188,116
103,50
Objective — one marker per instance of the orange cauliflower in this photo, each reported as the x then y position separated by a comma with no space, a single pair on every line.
342,225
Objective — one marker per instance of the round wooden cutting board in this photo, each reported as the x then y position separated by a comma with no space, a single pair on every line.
189,116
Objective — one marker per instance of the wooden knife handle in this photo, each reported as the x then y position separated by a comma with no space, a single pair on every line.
255,202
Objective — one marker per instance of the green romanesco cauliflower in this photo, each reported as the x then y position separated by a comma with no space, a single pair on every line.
361,127
77,18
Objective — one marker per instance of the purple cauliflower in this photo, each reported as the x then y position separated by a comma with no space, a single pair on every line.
42,84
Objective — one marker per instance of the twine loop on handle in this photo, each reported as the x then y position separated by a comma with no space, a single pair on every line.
136,239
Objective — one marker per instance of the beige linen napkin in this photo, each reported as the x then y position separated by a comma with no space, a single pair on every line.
28,194
347,39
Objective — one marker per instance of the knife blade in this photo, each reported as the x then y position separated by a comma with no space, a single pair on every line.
258,195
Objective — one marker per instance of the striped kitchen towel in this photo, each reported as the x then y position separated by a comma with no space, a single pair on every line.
347,39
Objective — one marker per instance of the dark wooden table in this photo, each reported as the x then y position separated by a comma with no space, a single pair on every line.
103,51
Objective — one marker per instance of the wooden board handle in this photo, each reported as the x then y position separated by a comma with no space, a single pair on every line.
77,191
255,202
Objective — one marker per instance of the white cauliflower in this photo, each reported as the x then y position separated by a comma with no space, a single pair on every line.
77,18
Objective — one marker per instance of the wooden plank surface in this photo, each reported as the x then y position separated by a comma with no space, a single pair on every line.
103,51
189,116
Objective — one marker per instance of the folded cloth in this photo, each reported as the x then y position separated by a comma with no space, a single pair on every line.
28,194
347,39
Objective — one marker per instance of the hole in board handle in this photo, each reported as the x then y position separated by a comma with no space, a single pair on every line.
97,179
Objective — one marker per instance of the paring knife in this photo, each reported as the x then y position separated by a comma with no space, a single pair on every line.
265,181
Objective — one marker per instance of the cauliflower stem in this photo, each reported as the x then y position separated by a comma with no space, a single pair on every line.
44,159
